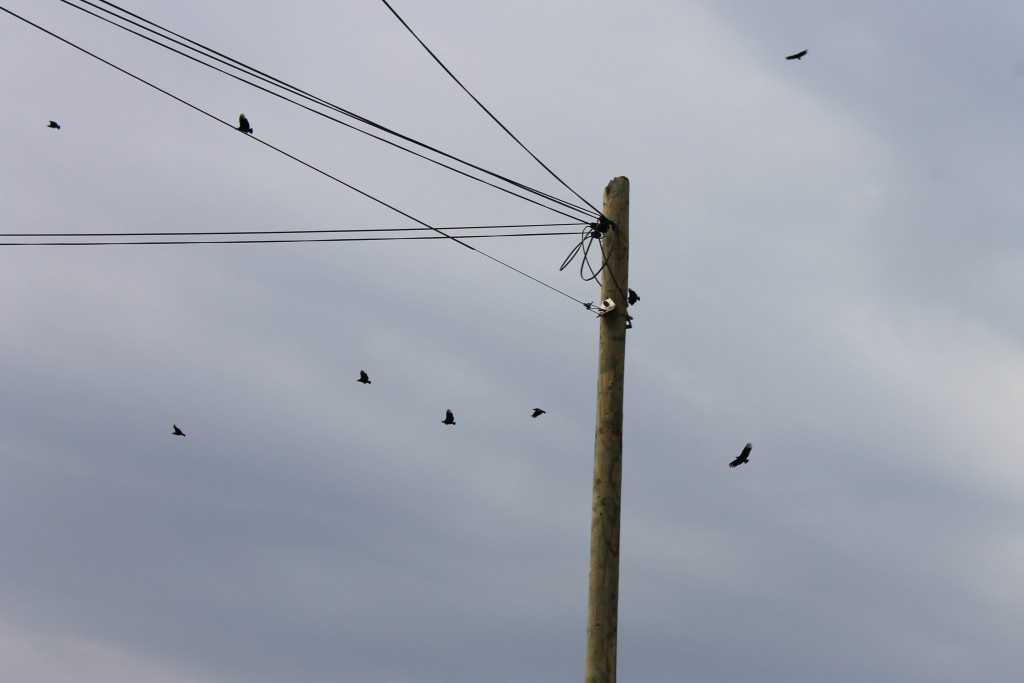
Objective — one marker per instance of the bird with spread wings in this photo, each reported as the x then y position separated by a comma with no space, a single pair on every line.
743,457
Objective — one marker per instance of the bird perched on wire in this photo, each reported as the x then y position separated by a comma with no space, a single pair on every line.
798,55
743,457
537,412
363,377
243,124
449,418
177,432
632,298
54,125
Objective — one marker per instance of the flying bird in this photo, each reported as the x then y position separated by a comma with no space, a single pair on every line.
798,55
177,432
743,457
363,377
632,298
449,418
537,412
53,124
243,124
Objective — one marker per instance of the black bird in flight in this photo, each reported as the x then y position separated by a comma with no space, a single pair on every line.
243,124
537,412
53,124
449,418
363,377
743,457
632,298
177,432
798,55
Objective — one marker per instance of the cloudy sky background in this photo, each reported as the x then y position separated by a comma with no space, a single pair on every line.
829,258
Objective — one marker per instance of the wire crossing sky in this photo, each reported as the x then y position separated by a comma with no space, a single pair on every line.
494,118
383,203
85,243
289,232
160,33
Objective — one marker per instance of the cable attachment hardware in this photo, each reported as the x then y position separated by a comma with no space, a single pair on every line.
607,306
601,226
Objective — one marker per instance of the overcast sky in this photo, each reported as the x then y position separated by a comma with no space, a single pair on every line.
829,258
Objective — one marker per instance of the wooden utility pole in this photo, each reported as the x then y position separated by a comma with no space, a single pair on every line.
603,597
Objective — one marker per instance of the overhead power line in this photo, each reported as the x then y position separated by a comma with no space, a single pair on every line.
164,34
290,156
295,232
486,110
264,241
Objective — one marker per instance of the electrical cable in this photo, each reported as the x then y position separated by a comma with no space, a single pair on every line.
260,75
486,110
269,241
290,156
288,232
591,232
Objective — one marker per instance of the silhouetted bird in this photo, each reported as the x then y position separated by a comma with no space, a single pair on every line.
537,412
243,124
363,377
449,418
53,124
743,457
632,298
798,55
177,432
